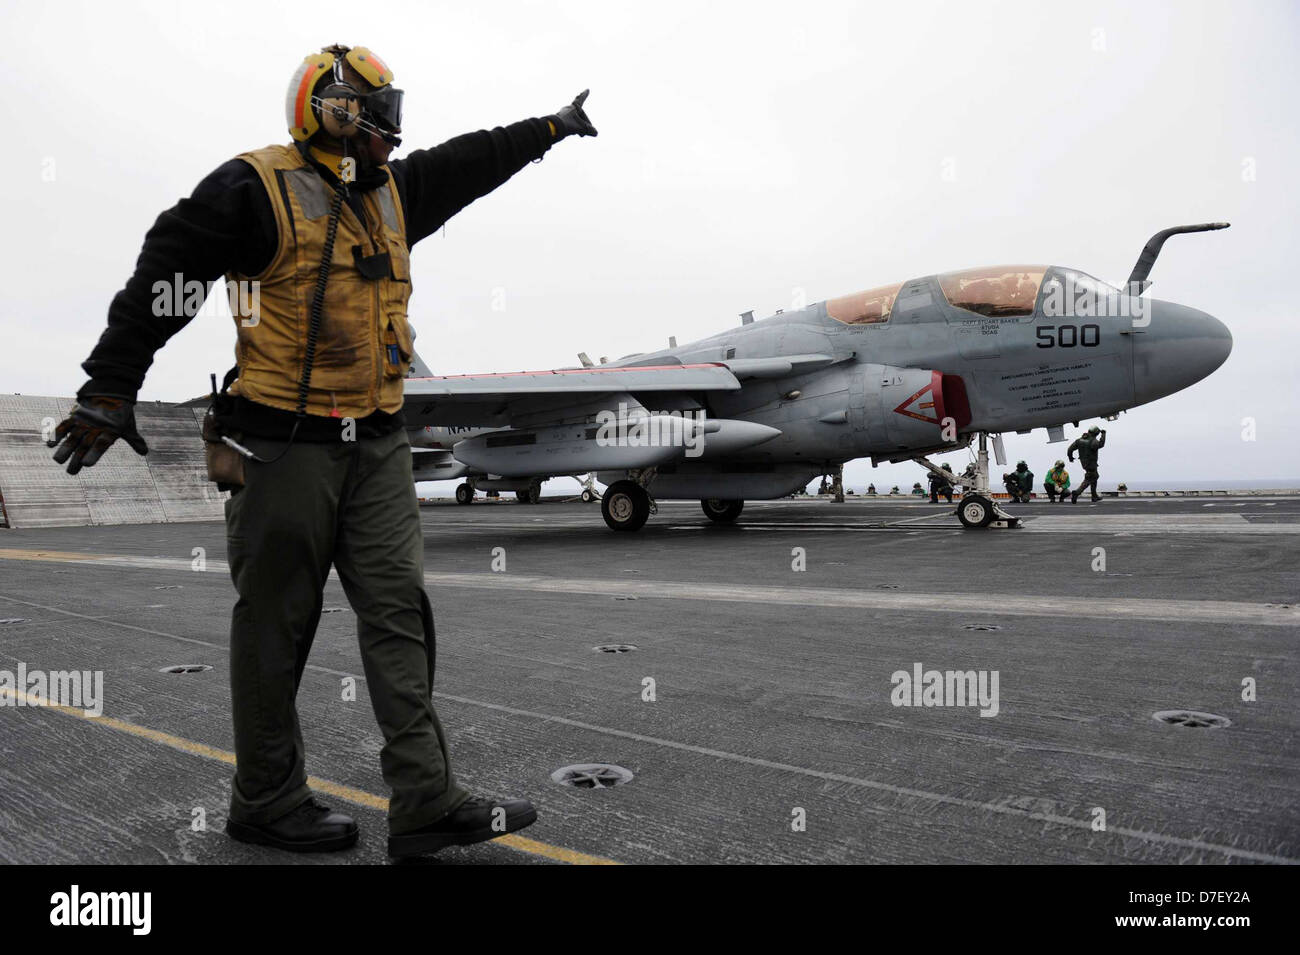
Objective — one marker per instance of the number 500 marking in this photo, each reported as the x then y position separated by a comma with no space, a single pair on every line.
1067,336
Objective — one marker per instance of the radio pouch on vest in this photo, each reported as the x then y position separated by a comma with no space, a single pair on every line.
225,464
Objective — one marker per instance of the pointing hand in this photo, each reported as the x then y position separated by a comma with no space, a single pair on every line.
572,119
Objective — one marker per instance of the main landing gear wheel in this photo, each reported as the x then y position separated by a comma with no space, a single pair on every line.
625,506
464,494
975,511
720,511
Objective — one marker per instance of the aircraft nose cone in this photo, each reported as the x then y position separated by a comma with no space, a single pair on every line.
1178,348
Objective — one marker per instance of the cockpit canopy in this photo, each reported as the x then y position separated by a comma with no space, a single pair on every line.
864,308
997,291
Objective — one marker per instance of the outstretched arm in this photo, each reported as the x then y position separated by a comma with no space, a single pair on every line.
437,183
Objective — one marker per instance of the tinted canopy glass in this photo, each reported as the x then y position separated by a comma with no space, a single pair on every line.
1003,290
864,308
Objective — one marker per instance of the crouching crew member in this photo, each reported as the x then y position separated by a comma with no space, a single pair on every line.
1057,483
1020,483
941,485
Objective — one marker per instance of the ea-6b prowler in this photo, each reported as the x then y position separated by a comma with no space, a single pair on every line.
894,373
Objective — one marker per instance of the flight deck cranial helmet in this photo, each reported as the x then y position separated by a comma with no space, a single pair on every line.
1094,430
343,91
1022,466
1060,464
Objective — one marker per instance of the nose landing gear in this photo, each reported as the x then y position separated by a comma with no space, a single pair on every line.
977,508
975,511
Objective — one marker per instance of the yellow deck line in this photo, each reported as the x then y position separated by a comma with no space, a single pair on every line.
50,555
358,797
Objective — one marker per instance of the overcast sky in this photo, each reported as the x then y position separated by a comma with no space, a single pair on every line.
749,153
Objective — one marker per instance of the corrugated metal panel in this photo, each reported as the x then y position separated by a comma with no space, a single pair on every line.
176,462
120,490
28,478
167,485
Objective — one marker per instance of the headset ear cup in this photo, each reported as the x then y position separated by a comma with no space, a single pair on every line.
341,126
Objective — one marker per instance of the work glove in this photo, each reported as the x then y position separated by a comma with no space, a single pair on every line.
572,119
90,429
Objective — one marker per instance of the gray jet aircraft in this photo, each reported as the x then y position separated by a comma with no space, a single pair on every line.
894,373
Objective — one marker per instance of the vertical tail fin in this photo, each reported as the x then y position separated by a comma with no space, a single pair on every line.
418,368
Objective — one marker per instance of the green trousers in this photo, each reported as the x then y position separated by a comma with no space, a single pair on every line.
350,504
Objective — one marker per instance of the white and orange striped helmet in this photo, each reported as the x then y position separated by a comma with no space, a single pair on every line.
340,107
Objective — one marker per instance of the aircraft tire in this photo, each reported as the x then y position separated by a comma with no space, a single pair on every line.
464,494
975,511
625,506
534,493
587,496
720,511
522,497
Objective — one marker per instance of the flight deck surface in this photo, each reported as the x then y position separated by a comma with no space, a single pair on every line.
772,735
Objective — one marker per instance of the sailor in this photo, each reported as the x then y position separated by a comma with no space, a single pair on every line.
1057,483
323,226
1020,483
941,485
1087,445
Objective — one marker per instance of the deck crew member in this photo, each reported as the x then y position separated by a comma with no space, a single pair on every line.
941,485
1020,483
1057,483
323,226
1087,445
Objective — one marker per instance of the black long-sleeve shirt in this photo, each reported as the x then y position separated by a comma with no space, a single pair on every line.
228,224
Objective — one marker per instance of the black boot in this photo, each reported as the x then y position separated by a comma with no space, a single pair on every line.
309,828
1074,498
477,819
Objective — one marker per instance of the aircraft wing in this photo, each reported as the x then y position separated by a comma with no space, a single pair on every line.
512,398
